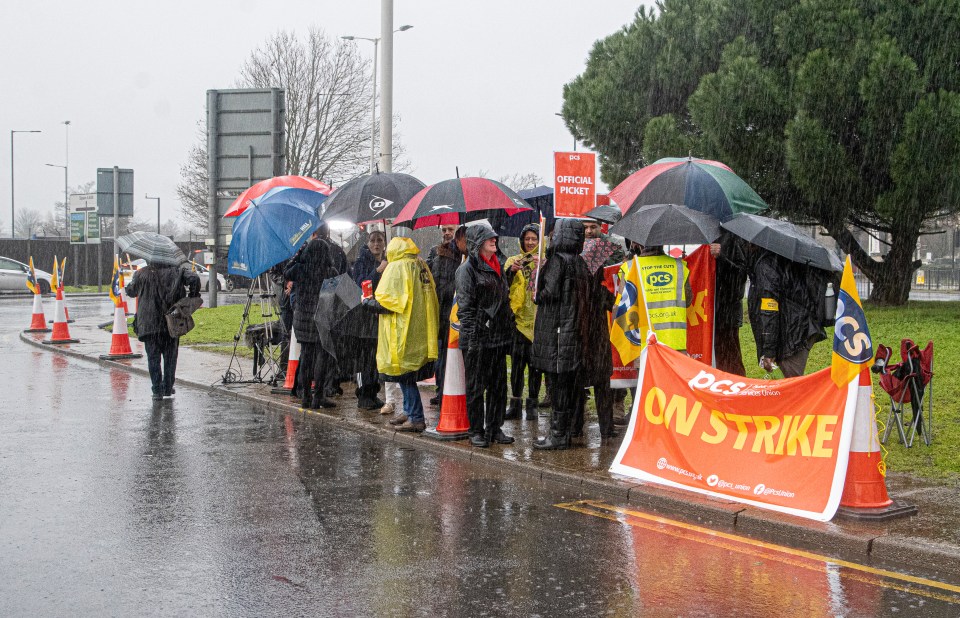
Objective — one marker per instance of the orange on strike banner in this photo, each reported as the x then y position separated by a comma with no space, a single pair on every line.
776,444
575,186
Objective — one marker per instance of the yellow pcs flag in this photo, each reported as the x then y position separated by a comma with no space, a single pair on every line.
852,345
115,282
55,276
630,322
32,284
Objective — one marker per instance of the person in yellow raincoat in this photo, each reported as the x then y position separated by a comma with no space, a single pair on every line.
524,265
406,299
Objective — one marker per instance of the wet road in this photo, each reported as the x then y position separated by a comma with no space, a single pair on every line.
111,504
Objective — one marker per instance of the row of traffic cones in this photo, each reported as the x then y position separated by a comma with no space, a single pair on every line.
120,339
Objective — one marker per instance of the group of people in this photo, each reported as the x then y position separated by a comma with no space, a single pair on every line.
550,316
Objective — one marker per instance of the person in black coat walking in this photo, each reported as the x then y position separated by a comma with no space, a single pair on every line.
562,327
157,287
308,270
486,332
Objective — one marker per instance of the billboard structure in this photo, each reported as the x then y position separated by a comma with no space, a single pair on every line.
245,144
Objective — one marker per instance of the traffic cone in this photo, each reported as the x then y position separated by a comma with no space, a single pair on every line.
123,301
39,322
61,333
293,361
453,424
120,340
66,311
865,490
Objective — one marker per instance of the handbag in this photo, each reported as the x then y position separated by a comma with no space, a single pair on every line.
179,322
180,317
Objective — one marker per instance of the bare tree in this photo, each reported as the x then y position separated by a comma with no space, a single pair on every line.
328,94
28,223
517,181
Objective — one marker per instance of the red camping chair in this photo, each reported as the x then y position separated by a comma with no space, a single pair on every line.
907,383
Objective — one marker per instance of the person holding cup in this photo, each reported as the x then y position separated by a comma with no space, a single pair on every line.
366,273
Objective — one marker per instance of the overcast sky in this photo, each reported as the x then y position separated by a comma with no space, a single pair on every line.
476,84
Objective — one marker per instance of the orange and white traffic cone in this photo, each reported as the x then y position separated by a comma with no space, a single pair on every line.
865,490
38,324
453,424
66,311
293,361
61,333
123,301
120,340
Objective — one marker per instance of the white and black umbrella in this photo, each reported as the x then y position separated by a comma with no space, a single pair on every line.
785,239
154,248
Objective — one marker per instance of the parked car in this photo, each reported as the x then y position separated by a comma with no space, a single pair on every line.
202,272
13,277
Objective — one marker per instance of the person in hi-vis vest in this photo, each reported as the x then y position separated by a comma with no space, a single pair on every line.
667,293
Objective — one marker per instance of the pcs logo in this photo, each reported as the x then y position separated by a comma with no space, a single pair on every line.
851,337
660,278
627,315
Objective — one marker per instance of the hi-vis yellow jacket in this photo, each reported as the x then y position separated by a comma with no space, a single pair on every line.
407,336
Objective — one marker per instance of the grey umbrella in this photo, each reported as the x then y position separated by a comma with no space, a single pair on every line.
783,238
338,295
605,213
154,248
667,224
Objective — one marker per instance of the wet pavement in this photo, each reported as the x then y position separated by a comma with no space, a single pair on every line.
235,502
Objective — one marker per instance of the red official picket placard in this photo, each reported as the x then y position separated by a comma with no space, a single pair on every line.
700,313
777,444
575,183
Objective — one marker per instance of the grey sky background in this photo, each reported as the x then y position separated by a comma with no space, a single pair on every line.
476,84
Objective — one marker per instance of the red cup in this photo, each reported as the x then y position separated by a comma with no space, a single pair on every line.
367,287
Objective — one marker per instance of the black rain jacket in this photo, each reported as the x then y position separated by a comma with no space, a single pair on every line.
483,296
562,327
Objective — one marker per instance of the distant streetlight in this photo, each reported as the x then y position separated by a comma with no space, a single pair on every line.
66,211
66,174
13,232
373,105
147,195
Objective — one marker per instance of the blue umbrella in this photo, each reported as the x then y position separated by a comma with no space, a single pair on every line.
541,199
263,236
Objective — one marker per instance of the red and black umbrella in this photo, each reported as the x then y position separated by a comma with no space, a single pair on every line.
295,182
458,200
699,184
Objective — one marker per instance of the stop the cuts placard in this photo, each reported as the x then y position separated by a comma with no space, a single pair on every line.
575,183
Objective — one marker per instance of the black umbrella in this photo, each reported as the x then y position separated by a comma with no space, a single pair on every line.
371,197
338,295
667,224
605,213
783,238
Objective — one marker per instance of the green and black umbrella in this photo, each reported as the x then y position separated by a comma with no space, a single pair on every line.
699,184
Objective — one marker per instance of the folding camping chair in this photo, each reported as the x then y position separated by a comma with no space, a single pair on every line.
907,383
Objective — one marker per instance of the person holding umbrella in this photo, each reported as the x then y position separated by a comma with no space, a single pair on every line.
406,300
307,271
524,267
157,286
782,313
369,266
486,332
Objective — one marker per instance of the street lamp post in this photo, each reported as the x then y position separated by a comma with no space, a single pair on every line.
147,195
373,104
13,232
66,209
66,165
